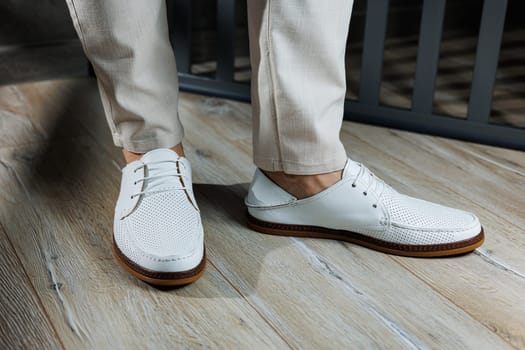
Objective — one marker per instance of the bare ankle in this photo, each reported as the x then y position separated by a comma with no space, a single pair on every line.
304,186
133,156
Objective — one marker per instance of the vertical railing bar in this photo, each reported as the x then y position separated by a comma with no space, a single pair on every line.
226,40
487,56
170,12
373,51
428,55
179,12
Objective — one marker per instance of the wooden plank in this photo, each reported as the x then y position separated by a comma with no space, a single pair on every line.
400,296
38,112
513,161
24,323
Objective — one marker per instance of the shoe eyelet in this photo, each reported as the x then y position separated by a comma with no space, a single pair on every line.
364,193
353,185
374,205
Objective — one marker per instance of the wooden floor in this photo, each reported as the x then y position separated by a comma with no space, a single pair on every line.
61,288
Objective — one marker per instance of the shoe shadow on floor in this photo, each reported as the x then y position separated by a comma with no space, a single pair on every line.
235,250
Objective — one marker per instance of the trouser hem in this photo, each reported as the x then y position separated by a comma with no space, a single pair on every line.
146,145
298,168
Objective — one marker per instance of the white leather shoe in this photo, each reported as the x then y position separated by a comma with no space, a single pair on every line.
158,234
362,209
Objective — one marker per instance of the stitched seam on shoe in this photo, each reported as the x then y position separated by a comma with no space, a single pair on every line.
270,207
415,228
167,260
163,189
172,259
380,242
160,274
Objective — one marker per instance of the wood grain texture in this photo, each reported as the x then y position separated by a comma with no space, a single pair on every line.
23,322
59,179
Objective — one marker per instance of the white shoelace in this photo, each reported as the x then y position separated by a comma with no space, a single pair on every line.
156,181
373,183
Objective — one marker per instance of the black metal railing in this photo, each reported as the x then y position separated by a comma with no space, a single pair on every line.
368,108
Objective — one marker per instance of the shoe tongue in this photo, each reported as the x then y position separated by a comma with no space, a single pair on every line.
351,169
159,155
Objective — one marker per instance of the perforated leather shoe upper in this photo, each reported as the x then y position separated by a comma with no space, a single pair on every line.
157,221
362,203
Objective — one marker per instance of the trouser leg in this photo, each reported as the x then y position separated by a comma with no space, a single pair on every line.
297,50
128,45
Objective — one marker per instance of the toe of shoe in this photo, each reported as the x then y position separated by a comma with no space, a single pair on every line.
469,228
176,256
434,223
142,259
172,263
456,227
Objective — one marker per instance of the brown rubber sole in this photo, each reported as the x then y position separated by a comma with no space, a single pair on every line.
160,278
423,251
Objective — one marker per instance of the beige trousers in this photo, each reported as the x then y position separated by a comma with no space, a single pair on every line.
297,52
